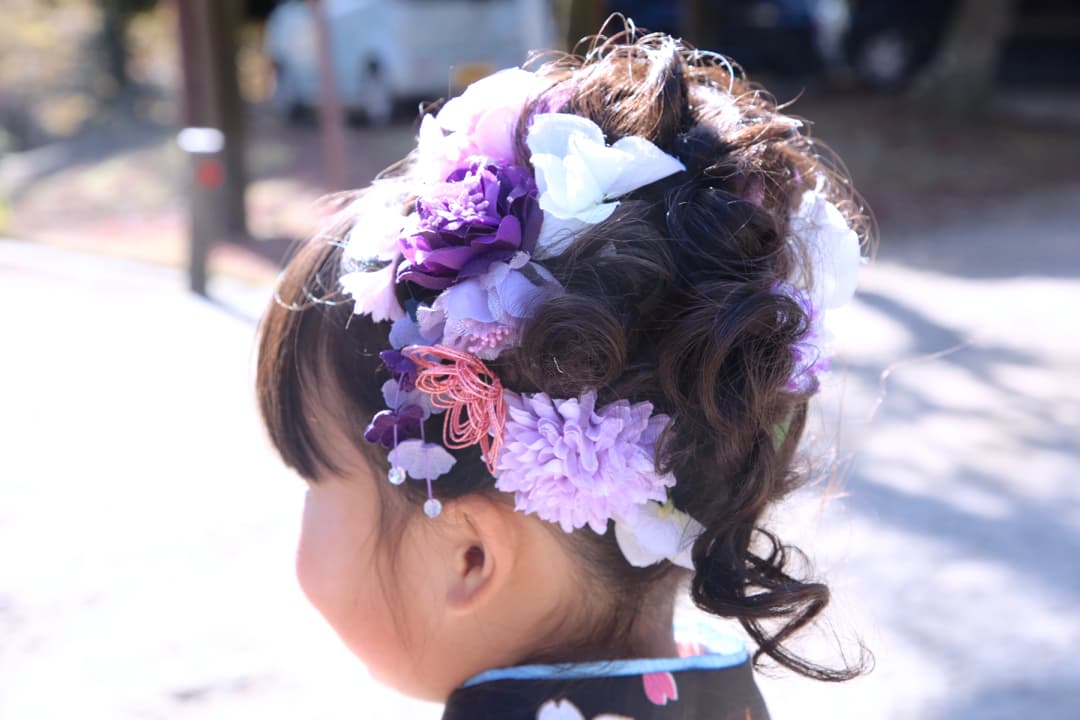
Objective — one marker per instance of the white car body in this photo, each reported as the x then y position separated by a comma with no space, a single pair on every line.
387,50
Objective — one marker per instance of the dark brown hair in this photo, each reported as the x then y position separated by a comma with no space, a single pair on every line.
672,301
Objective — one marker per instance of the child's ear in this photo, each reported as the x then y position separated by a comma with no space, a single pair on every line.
483,549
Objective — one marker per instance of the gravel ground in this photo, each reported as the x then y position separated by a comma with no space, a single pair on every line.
146,527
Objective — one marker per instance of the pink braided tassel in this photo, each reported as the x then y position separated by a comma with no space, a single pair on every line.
470,393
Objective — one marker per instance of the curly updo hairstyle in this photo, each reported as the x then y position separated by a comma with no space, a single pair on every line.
672,300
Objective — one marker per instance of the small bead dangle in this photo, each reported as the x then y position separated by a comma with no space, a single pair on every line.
432,508
396,476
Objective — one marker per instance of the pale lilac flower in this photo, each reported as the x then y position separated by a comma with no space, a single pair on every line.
569,463
405,332
421,460
484,315
660,532
580,176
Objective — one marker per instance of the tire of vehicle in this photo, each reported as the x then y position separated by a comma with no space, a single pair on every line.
376,98
286,97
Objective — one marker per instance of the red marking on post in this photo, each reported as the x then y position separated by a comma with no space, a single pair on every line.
210,174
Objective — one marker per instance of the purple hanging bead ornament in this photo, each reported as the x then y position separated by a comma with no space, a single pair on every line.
432,507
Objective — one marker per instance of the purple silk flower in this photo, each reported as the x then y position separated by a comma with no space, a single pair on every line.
572,463
483,213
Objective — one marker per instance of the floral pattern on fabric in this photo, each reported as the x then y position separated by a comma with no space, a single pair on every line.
660,688
690,691
566,710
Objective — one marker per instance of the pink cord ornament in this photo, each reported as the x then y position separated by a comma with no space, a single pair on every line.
470,393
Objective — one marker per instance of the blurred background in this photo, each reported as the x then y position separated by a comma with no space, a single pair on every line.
146,526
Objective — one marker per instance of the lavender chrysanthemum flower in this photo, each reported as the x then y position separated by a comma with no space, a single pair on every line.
569,463
483,213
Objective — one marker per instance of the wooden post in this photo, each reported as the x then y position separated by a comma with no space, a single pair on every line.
331,116
208,45
213,134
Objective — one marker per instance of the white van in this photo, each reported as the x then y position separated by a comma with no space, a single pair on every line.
386,51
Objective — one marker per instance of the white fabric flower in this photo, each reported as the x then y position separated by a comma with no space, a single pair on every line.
373,238
481,121
833,249
378,223
374,293
660,532
580,176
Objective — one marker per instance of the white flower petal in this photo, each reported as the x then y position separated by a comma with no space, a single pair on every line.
576,172
833,249
556,234
646,164
550,133
374,293
378,224
604,164
579,189
690,531
658,533
634,552
421,460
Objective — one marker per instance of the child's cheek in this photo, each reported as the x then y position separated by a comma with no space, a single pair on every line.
335,566
333,563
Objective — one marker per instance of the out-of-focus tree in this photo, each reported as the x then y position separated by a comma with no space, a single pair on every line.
959,81
208,30
115,16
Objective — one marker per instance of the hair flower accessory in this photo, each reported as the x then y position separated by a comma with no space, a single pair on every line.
570,463
372,250
481,121
579,176
834,258
381,207
373,293
483,315
470,392
483,213
660,532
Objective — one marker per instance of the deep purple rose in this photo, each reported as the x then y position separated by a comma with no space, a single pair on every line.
482,214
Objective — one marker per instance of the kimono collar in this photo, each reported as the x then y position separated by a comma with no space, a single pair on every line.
718,683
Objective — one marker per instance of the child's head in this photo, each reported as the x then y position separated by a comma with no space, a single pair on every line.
584,326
